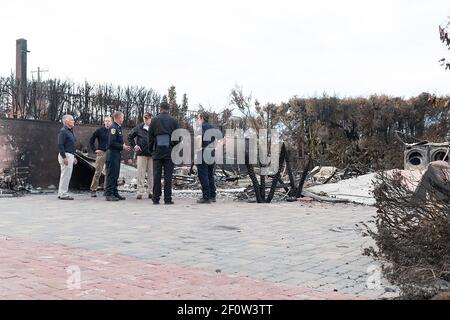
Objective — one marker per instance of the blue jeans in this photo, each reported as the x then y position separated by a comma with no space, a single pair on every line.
206,177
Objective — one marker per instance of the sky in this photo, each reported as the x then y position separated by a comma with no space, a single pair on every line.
274,50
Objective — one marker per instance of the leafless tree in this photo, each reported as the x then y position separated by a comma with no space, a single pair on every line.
445,39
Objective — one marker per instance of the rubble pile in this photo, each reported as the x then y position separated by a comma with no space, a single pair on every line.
360,189
329,184
186,183
321,184
356,190
13,182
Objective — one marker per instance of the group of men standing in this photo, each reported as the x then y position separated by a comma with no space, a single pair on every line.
152,143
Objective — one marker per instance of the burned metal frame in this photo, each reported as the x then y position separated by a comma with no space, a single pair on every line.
292,189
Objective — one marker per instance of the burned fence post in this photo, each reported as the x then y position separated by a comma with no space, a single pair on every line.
277,176
303,178
260,186
332,176
293,190
252,174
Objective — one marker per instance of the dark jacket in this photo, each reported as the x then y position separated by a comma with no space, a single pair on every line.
142,136
205,127
115,138
66,142
208,145
162,125
101,135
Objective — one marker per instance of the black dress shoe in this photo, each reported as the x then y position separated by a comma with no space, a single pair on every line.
111,198
203,201
156,203
168,203
94,194
120,197
65,198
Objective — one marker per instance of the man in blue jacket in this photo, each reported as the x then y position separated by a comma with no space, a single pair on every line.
113,157
66,156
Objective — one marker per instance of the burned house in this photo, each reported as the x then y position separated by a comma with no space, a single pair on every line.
28,154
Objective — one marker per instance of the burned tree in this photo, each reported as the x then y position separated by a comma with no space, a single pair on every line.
445,39
358,132
88,103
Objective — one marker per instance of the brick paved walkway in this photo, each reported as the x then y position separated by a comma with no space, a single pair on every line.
134,250
30,270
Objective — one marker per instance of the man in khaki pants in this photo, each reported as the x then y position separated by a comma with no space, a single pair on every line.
101,135
144,156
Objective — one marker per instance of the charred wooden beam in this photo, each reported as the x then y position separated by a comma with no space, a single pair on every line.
303,178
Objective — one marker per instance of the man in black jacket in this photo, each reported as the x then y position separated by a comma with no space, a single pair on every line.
144,156
160,135
101,135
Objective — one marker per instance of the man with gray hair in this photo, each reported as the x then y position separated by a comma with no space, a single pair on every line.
66,156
